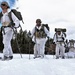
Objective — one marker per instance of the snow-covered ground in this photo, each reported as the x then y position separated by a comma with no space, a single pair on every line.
47,66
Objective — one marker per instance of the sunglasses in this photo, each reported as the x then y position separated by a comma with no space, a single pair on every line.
3,4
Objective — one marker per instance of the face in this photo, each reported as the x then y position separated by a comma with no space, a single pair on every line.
38,23
59,32
3,6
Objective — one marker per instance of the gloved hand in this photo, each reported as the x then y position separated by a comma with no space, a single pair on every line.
63,38
13,24
48,38
33,43
53,42
29,34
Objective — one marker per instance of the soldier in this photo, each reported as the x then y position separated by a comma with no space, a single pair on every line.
71,46
40,33
7,30
59,39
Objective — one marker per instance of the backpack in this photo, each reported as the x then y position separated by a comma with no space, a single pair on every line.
46,25
60,29
16,13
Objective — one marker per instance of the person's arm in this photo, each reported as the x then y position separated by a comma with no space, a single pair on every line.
32,32
54,38
47,32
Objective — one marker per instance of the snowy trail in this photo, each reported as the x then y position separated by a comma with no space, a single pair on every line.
46,66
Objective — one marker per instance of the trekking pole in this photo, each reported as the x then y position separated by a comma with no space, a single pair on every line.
29,36
2,29
54,49
29,50
15,32
53,55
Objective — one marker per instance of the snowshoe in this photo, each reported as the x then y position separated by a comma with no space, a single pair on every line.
63,57
39,57
57,57
7,58
11,57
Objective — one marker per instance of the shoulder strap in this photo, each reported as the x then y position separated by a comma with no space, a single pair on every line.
10,16
1,15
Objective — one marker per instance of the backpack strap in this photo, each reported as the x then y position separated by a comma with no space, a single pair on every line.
1,15
10,17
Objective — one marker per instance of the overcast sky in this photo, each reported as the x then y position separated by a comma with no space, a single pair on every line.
56,13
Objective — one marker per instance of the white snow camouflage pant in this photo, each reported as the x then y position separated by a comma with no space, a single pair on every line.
71,53
60,48
39,47
7,51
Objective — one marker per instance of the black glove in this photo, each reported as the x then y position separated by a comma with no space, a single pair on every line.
63,38
33,43
29,34
48,38
53,42
13,24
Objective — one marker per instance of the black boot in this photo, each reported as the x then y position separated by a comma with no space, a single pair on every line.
57,57
10,57
63,57
5,58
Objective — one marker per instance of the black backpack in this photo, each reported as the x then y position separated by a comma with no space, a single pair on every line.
16,13
46,25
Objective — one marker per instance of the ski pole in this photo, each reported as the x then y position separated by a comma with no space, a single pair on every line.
29,50
29,36
15,32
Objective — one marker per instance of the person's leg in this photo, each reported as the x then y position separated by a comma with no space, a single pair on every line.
10,49
57,51
62,52
42,47
35,51
7,44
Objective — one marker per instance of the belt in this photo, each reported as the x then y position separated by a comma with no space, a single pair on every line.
60,41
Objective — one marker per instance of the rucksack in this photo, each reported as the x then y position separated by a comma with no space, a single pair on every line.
46,25
62,30
16,13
